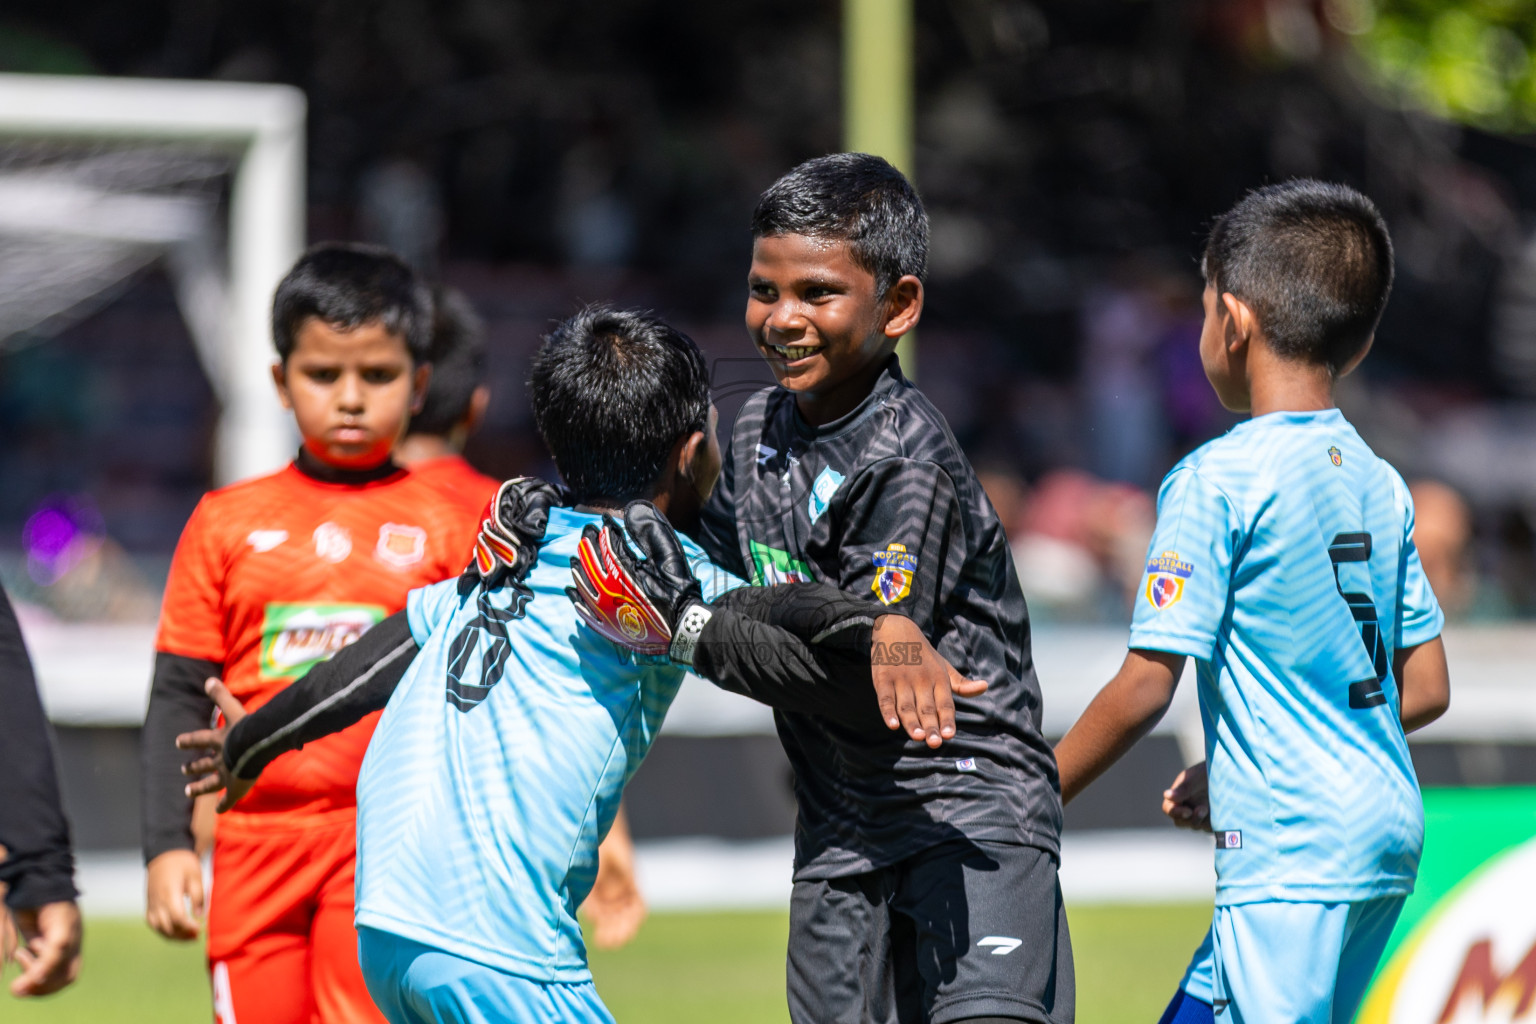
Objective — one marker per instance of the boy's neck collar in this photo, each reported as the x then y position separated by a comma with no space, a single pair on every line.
316,469
887,376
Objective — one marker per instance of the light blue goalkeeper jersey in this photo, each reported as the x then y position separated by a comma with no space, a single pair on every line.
498,764
1284,562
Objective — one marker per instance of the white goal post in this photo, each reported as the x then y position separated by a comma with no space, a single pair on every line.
262,129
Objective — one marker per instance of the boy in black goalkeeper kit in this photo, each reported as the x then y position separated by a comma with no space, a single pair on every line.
925,879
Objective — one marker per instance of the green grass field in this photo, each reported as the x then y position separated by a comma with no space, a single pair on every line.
684,968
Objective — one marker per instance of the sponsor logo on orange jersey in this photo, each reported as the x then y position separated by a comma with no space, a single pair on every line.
296,637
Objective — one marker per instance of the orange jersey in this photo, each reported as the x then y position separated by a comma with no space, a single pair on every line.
275,574
454,475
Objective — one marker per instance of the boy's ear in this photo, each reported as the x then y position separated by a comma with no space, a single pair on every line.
280,381
479,401
420,378
903,305
1241,324
688,454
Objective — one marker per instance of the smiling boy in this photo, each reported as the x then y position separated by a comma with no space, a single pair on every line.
272,576
925,879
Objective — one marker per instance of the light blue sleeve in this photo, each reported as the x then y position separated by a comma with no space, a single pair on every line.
1182,601
424,608
1420,619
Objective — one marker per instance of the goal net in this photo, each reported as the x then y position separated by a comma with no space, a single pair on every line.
101,177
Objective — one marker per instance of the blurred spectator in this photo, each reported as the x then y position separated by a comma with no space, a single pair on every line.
1123,321
1443,534
77,571
1082,545
399,208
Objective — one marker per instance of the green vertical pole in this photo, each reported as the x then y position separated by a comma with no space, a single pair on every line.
877,95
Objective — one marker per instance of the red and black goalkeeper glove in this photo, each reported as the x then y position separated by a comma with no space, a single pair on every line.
511,528
652,606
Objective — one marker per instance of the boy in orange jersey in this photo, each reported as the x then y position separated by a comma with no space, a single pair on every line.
433,447
271,576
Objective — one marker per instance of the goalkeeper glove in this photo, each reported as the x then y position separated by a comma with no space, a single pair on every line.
654,606
511,528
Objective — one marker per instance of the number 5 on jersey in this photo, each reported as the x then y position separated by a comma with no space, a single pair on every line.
1356,547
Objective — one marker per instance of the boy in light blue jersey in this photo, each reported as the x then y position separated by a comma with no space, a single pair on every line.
510,728
1283,562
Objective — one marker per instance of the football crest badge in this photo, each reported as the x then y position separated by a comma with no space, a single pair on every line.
893,573
1335,456
1165,579
400,545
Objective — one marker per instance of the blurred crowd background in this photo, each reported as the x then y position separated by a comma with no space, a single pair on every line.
535,155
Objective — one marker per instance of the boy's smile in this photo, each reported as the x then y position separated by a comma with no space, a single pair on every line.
351,391
814,315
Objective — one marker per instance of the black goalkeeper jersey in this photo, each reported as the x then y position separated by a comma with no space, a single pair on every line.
882,504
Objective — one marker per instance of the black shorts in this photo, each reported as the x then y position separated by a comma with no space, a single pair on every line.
964,929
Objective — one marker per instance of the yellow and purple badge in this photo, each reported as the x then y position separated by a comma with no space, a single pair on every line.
1165,579
893,573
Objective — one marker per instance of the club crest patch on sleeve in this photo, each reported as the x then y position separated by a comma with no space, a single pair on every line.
1165,579
893,573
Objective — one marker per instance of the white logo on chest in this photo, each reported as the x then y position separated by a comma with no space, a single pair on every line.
265,540
333,543
1001,945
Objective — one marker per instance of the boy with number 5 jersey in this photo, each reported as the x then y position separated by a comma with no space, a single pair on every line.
1283,562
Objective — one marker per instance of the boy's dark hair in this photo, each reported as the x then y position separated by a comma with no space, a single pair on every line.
613,390
348,285
1314,262
458,364
856,198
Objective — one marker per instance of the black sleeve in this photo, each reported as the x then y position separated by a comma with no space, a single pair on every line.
717,520
357,680
802,647
177,704
38,866
903,539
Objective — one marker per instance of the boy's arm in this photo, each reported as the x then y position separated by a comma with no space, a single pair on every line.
1122,713
178,703
1426,683
189,647
1423,680
812,649
1179,611
38,866
839,658
898,525
355,682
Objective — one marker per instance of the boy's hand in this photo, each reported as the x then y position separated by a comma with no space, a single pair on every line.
1187,801
209,772
914,683
173,897
637,604
46,943
511,528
